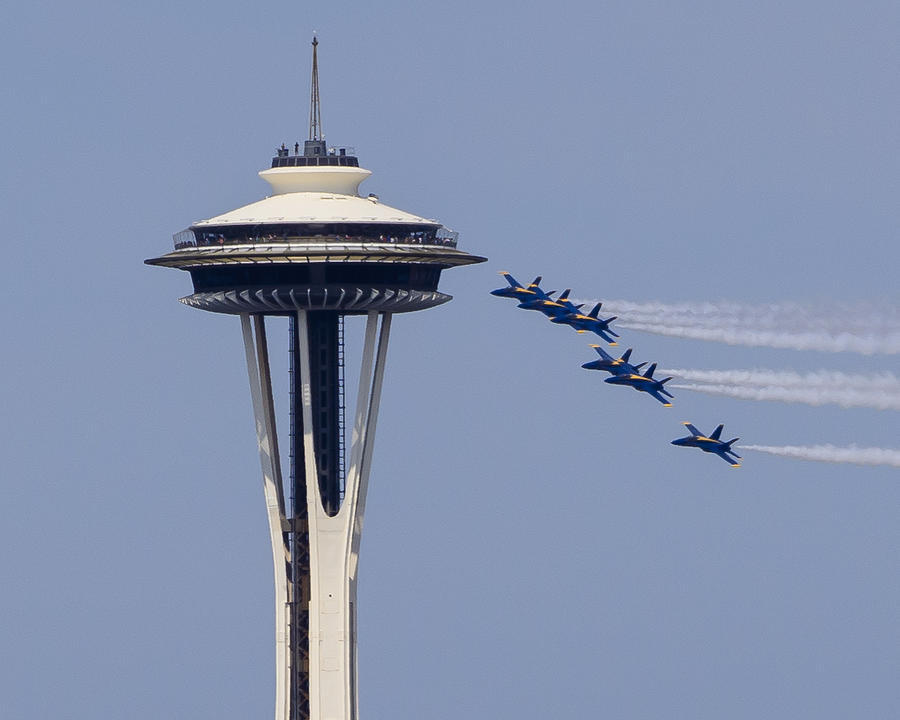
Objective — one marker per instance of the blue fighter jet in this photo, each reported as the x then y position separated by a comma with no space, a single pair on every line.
710,444
520,292
614,366
550,307
644,383
590,322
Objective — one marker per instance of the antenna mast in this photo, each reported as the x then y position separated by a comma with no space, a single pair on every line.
315,111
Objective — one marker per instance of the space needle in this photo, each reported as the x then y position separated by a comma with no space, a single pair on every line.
315,251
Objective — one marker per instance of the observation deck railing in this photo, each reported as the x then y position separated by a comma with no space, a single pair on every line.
194,239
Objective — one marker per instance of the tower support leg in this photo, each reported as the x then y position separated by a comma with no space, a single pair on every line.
334,534
257,354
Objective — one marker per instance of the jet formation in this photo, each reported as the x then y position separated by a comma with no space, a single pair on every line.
561,311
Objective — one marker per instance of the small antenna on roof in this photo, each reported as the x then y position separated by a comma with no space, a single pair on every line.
315,111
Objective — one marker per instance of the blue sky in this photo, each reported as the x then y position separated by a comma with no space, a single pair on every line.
534,546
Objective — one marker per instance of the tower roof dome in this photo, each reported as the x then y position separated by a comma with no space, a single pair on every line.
322,206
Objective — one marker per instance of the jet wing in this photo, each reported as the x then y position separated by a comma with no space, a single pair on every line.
728,459
693,430
554,310
603,334
656,394
602,353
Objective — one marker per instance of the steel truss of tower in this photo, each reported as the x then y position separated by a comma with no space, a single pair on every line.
315,547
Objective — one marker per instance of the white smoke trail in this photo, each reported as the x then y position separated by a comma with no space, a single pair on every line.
882,381
868,317
821,387
869,344
844,397
832,454
862,328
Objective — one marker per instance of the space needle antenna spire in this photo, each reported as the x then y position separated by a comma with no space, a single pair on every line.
315,110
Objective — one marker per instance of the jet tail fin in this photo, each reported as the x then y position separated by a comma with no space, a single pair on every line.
728,447
660,384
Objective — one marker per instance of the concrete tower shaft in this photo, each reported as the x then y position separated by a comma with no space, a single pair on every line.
315,251
315,546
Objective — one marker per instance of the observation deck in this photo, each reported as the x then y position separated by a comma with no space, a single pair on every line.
315,244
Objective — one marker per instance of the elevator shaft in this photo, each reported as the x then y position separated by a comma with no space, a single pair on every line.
325,382
324,338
